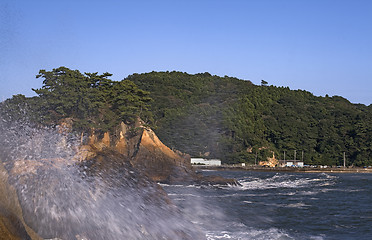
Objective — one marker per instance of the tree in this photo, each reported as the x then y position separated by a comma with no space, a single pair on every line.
264,83
90,100
128,101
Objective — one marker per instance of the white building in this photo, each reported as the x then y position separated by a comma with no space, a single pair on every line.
208,162
291,163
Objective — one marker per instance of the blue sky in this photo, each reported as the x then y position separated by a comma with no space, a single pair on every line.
322,46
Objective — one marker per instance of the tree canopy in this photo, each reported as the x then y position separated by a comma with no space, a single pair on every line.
91,100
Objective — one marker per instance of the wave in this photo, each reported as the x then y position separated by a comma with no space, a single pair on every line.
284,181
258,234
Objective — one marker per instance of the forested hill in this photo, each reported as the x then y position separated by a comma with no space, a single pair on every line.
232,119
205,115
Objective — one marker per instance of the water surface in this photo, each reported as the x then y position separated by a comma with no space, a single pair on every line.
271,205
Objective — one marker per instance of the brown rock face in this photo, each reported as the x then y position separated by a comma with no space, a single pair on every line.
159,162
145,151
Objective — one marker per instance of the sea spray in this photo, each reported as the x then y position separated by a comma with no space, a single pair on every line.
103,198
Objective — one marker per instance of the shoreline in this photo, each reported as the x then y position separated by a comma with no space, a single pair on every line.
284,169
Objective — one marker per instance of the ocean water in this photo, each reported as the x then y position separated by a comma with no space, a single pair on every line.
271,205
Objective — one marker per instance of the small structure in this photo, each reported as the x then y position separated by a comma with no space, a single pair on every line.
291,163
300,164
203,161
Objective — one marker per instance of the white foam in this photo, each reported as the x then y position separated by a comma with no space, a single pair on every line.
183,194
259,234
283,181
297,205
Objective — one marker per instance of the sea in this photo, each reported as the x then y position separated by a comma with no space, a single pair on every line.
269,205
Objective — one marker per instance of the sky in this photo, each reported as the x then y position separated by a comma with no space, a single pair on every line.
322,46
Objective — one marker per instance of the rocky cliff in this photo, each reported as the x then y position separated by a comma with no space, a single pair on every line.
140,145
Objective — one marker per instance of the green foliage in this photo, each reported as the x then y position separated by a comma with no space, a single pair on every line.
128,101
189,109
90,100
233,120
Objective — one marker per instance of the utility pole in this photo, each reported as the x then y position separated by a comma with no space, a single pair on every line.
302,156
295,155
255,160
344,160
284,155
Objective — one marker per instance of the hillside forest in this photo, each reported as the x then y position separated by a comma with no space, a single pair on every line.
205,115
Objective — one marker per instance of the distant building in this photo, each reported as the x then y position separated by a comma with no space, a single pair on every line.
291,163
208,162
300,164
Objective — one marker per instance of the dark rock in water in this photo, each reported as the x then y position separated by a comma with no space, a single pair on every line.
216,180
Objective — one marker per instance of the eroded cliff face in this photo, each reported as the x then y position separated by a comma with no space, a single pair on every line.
144,150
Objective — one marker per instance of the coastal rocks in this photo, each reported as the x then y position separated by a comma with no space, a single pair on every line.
52,187
159,162
144,150
216,180
140,146
104,197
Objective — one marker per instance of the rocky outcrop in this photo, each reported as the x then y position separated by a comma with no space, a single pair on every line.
144,150
215,180
159,162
